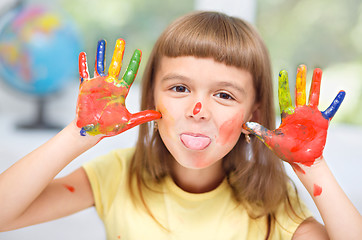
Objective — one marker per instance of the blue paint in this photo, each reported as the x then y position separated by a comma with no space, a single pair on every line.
83,132
101,55
332,109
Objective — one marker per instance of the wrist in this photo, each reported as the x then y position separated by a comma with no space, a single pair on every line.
88,140
315,177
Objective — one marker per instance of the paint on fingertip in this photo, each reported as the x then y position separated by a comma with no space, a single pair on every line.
197,108
70,188
317,190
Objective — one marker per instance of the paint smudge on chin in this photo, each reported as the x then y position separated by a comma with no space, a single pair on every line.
317,190
70,188
227,130
197,108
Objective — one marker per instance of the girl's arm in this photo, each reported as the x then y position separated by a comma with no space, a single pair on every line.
27,197
300,141
342,220
29,194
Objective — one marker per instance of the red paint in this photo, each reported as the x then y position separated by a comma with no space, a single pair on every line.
197,108
102,104
296,168
301,137
83,69
70,188
227,131
315,88
317,190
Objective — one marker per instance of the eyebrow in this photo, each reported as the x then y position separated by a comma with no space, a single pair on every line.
173,76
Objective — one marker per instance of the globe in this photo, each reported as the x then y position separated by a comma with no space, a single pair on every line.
38,50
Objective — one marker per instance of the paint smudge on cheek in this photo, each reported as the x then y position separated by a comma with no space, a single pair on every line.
164,112
227,131
70,188
317,190
197,108
167,123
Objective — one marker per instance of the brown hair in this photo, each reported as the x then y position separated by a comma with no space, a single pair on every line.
256,176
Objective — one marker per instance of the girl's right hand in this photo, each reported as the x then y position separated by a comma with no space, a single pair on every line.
101,101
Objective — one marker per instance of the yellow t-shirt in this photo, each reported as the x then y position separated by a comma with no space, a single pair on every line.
211,215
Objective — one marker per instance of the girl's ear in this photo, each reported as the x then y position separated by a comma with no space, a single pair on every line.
254,117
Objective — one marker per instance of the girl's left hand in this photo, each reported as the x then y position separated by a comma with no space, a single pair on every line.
301,136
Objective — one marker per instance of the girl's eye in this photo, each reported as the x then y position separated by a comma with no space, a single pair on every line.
180,88
224,96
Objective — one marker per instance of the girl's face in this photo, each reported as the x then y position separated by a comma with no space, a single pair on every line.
203,105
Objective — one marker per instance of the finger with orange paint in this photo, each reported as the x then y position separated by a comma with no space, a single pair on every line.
300,83
301,136
101,101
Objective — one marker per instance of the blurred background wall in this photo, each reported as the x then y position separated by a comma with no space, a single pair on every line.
325,34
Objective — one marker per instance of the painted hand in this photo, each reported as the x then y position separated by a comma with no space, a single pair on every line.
301,136
101,101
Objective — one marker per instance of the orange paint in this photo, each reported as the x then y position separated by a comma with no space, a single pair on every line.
227,130
70,188
317,190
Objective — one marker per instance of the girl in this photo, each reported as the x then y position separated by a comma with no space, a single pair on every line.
192,174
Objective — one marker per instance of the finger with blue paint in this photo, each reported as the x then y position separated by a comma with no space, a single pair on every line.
333,108
100,58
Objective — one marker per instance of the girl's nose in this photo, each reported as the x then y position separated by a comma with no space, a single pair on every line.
198,111
197,108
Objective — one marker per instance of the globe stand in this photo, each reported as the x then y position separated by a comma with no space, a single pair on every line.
39,123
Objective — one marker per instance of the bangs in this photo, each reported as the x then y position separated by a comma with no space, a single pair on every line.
225,39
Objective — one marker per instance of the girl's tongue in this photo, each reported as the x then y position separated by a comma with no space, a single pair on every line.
195,142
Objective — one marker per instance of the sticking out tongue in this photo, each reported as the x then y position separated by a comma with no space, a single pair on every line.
195,142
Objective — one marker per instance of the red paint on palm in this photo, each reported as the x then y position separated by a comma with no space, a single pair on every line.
301,137
101,105
97,100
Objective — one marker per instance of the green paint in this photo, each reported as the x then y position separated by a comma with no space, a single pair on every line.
131,71
285,100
